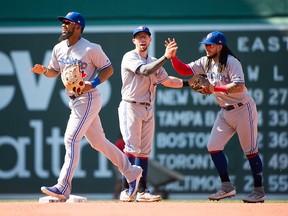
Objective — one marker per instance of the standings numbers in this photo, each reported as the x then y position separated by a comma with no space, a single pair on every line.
278,161
275,96
278,118
278,96
278,139
278,183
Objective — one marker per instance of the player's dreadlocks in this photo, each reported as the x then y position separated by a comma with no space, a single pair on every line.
222,59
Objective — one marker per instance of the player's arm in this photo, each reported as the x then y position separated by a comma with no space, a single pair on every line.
180,67
235,87
103,75
147,69
174,82
106,73
152,67
46,71
229,88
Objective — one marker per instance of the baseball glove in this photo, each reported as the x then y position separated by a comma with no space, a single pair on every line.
198,82
72,79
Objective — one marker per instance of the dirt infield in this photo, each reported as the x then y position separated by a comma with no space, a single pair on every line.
165,208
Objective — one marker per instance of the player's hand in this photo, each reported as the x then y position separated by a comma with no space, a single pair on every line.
174,51
207,90
171,48
39,69
88,86
169,40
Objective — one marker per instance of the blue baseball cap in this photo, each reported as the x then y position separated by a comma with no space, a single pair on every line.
141,29
215,37
74,17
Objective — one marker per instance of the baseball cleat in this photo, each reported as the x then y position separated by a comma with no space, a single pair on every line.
146,196
54,192
124,196
222,195
133,186
256,196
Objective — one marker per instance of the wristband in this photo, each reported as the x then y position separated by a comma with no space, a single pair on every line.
220,88
95,82
185,83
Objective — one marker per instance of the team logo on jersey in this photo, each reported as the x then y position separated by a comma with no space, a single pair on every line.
83,74
217,78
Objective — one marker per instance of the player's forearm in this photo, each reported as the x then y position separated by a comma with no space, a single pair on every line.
102,76
50,72
106,73
235,87
230,88
173,82
152,67
46,71
180,67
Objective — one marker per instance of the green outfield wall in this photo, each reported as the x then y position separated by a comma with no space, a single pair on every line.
34,109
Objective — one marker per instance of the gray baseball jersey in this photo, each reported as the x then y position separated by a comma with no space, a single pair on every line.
137,89
243,119
84,119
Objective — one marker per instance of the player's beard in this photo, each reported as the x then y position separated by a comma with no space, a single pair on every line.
211,56
65,36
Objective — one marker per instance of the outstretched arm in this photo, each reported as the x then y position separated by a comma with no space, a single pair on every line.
46,71
174,82
180,67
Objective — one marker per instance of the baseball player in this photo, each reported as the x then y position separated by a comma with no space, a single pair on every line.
84,118
238,112
141,74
